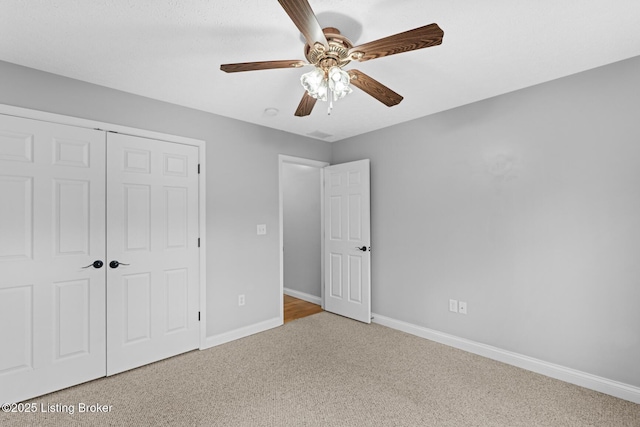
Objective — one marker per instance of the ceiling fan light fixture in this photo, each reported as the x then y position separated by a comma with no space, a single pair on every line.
319,83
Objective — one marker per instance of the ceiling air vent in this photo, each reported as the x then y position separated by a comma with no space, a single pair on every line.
318,134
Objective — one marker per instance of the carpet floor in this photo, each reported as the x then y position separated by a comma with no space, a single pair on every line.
325,370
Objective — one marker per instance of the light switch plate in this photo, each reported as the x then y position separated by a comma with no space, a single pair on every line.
262,229
453,305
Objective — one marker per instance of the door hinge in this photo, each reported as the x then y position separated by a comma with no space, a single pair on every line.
198,316
198,168
198,242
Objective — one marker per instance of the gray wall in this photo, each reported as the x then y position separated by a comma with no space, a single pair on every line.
242,182
301,225
527,206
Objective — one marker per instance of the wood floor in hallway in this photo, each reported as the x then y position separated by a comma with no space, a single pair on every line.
295,308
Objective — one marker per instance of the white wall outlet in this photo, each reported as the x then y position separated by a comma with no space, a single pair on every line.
453,305
462,307
240,300
261,229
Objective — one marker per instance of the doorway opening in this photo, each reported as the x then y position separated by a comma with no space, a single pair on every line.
301,232
344,240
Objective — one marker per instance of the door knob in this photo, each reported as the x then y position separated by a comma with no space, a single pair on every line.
95,264
363,249
115,264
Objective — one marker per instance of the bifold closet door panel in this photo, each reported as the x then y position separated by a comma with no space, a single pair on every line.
152,234
52,226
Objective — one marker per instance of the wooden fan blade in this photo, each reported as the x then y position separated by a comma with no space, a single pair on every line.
306,105
374,88
264,65
418,38
302,15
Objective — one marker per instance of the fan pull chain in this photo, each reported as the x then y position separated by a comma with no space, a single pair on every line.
330,102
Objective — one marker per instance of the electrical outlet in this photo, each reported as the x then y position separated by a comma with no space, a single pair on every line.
240,300
261,229
462,307
453,305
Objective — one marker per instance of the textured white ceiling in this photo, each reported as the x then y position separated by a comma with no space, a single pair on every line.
172,50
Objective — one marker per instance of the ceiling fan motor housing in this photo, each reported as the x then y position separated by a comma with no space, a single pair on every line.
337,55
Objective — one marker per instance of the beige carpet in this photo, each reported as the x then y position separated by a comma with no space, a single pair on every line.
325,370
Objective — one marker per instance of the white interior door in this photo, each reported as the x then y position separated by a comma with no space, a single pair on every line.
152,229
52,310
347,240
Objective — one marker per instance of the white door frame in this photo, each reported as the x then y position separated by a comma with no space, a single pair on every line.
282,159
11,110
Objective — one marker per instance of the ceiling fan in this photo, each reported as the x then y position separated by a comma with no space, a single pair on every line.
329,51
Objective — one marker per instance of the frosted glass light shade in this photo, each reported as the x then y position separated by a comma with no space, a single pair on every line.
315,84
339,83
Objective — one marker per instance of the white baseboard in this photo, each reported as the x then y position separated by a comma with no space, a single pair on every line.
245,331
583,379
301,295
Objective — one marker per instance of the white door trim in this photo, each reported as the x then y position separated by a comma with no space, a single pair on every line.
44,116
11,110
282,159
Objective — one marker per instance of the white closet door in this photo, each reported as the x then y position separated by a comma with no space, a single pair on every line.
52,224
152,227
